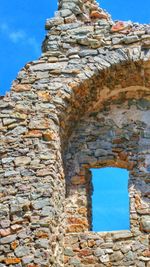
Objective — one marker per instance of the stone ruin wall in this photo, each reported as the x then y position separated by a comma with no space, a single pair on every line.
115,137
91,72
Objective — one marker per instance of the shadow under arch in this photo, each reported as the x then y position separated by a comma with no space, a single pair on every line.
124,80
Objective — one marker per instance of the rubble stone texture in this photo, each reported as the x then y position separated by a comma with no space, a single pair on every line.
84,103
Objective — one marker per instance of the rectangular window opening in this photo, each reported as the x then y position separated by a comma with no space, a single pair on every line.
110,199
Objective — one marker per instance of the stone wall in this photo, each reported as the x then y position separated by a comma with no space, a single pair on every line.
116,136
87,60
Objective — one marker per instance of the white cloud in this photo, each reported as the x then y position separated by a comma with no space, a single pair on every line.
19,37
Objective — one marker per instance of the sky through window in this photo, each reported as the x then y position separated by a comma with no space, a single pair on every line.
110,199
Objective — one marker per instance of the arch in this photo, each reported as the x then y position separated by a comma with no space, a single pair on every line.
74,80
110,135
90,92
35,125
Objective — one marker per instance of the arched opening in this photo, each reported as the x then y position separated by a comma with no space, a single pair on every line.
120,82
110,199
112,134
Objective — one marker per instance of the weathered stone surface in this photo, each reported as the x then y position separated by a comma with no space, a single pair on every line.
8,239
21,161
130,256
68,252
42,243
130,39
53,22
104,258
5,223
22,87
98,15
5,232
122,235
88,52
116,256
98,252
145,224
85,103
40,203
9,261
27,259
21,251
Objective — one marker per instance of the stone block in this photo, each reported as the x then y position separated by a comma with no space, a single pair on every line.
145,224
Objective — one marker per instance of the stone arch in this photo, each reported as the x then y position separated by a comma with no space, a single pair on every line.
77,69
33,125
91,90
127,141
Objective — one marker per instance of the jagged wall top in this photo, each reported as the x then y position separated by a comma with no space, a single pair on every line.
83,24
85,10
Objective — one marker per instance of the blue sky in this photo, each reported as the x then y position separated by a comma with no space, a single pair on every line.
110,199
22,29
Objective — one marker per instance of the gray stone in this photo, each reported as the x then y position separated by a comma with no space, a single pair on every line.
141,264
102,61
143,104
108,251
103,22
42,243
10,173
48,66
8,239
130,256
130,39
116,41
73,51
23,234
28,259
3,104
99,252
122,235
40,203
94,43
74,261
48,211
69,26
8,121
7,160
145,224
22,251
65,13
145,259
19,130
5,223
104,258
116,256
68,252
126,248
88,52
53,22
22,161
100,152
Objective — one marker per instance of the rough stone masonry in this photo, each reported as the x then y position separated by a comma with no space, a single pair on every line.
84,103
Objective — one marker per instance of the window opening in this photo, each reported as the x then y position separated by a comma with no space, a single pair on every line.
110,199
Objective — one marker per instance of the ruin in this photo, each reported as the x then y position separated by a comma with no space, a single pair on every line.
85,103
